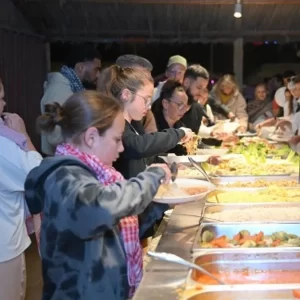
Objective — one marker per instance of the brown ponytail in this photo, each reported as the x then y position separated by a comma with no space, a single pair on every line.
113,80
54,115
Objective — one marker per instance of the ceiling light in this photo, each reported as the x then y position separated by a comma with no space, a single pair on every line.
238,9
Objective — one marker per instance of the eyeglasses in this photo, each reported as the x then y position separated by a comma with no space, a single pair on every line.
146,100
181,106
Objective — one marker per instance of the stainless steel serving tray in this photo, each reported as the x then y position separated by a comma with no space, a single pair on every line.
216,208
251,261
231,229
233,179
248,191
244,294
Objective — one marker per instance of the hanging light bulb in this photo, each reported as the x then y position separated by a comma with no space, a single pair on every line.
238,9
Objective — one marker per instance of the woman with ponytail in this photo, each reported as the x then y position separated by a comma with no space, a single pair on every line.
134,88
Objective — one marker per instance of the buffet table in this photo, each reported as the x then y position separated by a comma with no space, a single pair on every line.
163,280
245,230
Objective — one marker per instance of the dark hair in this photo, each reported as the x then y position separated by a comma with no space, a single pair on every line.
288,73
294,80
113,80
290,99
81,111
169,88
195,71
81,53
134,61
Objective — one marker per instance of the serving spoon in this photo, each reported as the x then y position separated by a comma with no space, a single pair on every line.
178,260
202,171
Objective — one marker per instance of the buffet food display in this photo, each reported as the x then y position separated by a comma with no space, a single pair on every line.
249,231
254,210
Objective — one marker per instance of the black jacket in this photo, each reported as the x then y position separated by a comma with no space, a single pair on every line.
193,117
162,124
139,149
218,107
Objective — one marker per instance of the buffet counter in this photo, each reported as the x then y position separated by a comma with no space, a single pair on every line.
163,280
249,238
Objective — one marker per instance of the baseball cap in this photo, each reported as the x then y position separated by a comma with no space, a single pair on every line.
177,59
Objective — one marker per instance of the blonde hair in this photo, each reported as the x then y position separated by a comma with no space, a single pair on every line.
113,80
228,80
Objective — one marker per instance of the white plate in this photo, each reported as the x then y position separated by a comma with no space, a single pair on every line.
213,152
246,134
277,138
188,183
227,126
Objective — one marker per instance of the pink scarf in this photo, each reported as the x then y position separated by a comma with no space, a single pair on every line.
33,223
129,226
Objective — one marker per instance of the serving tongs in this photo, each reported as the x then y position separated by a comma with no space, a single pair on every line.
174,171
200,168
178,260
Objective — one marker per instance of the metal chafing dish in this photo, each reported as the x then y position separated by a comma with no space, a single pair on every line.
232,179
231,229
265,260
217,208
244,294
223,194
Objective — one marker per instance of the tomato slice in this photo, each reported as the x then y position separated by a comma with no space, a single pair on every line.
296,294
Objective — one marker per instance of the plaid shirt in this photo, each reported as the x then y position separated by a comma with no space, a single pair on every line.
129,226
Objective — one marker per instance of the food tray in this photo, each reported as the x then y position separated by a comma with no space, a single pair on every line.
231,229
233,179
244,196
254,293
253,263
215,208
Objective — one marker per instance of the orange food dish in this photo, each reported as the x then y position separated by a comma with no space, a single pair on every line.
296,294
251,276
194,190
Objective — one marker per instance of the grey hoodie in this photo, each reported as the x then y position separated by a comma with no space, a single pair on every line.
81,252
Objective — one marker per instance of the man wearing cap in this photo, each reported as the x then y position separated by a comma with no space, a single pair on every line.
176,68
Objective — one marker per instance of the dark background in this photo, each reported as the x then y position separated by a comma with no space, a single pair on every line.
218,61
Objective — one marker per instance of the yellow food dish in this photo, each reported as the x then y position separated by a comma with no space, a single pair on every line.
261,183
240,168
272,194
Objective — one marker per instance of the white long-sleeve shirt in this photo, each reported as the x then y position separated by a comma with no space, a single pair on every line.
15,164
205,131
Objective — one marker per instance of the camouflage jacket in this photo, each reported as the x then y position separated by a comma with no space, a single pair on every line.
82,256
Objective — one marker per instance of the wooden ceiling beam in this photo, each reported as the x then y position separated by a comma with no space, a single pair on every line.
172,35
165,2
